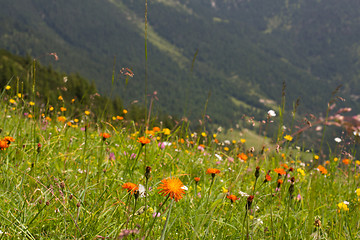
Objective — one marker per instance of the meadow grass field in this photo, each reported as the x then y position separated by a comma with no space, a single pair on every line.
68,176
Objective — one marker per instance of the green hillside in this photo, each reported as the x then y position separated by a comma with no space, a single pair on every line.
245,50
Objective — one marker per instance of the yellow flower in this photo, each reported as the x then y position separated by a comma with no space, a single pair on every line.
166,131
224,190
31,103
358,192
73,100
60,98
12,101
203,134
288,137
301,171
19,95
234,141
7,87
51,109
62,109
343,206
214,135
125,111
357,162
76,120
316,157
336,159
87,112
226,149
113,118
242,140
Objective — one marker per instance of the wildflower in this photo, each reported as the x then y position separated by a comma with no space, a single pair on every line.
249,202
280,171
105,136
224,190
243,194
271,113
346,161
214,135
267,177
62,119
172,187
197,179
166,131
60,98
147,172
284,165
288,137
357,162
342,206
51,109
212,171
316,157
156,129
337,139
19,95
63,109
257,172
12,101
301,171
336,159
3,144
358,192
279,182
226,149
31,103
322,169
87,112
130,187
232,198
125,111
143,140
242,156
203,134
242,140
119,118
7,87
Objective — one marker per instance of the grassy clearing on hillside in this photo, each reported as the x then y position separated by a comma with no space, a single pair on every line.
67,178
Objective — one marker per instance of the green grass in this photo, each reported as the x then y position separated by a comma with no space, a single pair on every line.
60,181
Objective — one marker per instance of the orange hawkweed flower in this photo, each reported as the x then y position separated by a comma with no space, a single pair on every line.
267,178
280,171
197,179
9,139
322,169
172,187
130,187
3,144
242,156
232,198
212,171
143,140
105,136
346,161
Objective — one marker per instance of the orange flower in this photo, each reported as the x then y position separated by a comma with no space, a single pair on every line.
197,179
267,178
9,139
212,171
156,129
130,187
143,140
3,144
322,169
280,171
172,187
284,165
242,156
105,136
346,161
232,198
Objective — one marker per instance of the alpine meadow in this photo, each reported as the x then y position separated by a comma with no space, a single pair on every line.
179,119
